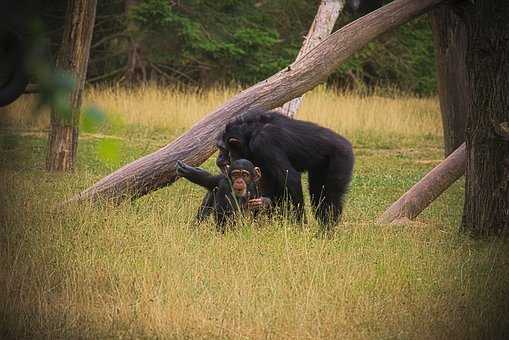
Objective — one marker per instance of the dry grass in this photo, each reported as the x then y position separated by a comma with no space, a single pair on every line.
145,270
170,109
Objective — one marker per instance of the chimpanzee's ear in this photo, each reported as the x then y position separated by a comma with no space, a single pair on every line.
233,141
258,174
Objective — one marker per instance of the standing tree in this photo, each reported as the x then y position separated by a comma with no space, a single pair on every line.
486,155
449,38
136,64
73,58
487,132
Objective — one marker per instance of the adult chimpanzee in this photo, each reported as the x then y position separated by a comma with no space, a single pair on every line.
227,194
283,148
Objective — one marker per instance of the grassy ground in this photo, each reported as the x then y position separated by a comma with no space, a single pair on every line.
143,269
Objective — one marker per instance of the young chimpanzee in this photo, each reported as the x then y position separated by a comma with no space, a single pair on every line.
222,162
283,148
227,194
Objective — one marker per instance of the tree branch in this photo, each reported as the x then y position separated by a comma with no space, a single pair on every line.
106,75
321,28
108,38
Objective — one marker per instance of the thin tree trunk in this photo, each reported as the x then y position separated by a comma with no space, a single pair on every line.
136,71
321,28
449,38
415,200
73,57
196,145
486,209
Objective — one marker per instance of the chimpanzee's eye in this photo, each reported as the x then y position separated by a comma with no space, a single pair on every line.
245,174
236,174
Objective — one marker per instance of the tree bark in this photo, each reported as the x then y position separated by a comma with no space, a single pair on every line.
449,38
486,209
196,145
415,200
72,57
321,28
136,71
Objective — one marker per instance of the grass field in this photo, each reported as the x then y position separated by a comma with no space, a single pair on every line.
145,270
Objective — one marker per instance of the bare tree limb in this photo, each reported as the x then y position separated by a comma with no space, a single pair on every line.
106,75
108,38
157,169
180,73
415,200
321,28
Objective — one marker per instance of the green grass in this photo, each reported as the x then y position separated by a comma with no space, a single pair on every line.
144,269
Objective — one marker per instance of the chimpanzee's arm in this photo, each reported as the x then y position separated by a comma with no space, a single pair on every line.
286,180
291,182
198,176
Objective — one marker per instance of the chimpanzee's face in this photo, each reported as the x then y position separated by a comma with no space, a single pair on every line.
243,174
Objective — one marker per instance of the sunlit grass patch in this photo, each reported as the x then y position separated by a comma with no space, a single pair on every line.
152,112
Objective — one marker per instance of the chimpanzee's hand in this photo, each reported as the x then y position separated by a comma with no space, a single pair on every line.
259,203
182,169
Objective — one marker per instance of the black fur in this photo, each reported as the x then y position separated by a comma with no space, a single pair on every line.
220,199
283,148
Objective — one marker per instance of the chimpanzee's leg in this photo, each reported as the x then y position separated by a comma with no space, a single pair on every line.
294,187
289,181
316,179
328,188
206,207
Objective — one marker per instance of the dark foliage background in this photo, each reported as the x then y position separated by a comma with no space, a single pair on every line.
209,42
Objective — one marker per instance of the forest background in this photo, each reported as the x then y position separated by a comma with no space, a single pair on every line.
237,42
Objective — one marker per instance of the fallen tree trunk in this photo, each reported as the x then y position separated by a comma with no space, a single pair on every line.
415,200
321,28
157,170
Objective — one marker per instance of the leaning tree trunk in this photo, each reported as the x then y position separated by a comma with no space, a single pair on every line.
415,200
196,145
321,28
486,208
72,57
449,38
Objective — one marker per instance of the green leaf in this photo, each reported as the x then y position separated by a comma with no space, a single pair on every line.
93,119
108,151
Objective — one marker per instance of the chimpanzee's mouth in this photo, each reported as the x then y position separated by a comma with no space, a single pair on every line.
239,192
